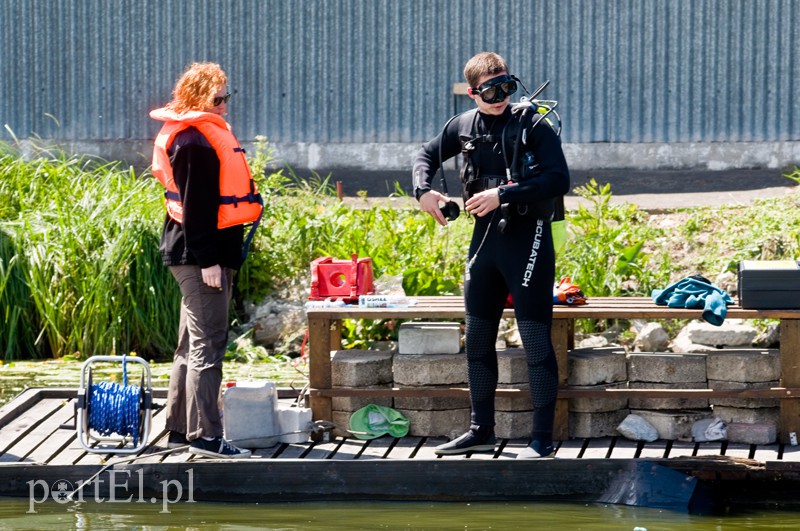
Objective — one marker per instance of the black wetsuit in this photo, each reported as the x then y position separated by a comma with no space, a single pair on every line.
519,261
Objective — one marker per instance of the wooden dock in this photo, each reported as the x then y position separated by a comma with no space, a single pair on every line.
325,325
39,448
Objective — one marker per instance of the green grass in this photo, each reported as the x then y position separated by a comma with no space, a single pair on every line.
611,248
719,238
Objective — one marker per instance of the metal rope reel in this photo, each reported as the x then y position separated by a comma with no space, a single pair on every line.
113,418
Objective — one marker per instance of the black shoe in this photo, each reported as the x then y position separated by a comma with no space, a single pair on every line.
177,439
217,447
475,440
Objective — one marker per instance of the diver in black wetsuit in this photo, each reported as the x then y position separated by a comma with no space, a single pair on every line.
511,249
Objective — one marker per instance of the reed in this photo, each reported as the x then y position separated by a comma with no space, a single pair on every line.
83,236
17,314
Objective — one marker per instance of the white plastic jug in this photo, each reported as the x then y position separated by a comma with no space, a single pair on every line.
250,414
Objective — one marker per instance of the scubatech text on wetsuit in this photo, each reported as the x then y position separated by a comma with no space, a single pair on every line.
537,241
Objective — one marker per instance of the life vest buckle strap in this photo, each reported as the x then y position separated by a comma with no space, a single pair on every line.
235,200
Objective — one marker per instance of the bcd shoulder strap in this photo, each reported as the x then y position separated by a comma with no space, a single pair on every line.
524,166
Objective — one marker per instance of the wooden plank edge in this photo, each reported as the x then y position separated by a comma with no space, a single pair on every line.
19,405
324,479
564,392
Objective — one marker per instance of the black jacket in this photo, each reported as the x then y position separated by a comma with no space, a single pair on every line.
198,241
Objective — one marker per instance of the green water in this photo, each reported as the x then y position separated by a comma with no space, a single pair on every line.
16,376
14,515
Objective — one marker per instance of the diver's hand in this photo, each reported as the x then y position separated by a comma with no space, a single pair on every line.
482,203
429,202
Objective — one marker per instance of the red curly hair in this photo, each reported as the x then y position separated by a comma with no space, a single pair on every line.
195,89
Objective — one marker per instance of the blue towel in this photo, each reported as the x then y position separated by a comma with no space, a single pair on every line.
691,292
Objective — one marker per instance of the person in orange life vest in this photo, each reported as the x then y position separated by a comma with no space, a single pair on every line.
210,195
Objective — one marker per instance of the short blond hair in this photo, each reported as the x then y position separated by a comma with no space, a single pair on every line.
197,86
483,64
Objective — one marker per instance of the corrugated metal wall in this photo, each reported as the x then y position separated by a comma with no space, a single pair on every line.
351,71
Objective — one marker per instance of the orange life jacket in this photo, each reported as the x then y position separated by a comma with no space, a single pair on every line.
240,201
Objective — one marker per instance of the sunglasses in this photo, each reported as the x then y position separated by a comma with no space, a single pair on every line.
219,100
497,89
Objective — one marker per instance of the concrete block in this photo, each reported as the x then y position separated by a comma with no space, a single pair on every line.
750,403
513,403
594,366
674,424
428,403
430,369
597,405
450,423
512,366
341,421
354,403
668,403
660,367
429,338
759,433
745,365
762,415
513,424
361,368
591,425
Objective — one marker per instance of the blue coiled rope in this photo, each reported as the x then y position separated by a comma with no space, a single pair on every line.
114,408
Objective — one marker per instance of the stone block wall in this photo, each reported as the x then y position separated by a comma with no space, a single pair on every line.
418,364
754,420
513,414
432,416
749,420
597,368
671,417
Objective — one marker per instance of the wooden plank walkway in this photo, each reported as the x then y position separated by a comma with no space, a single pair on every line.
38,442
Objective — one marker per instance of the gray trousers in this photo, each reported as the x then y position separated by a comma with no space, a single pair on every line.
194,384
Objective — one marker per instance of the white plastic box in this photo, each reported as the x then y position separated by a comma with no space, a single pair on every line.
294,424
